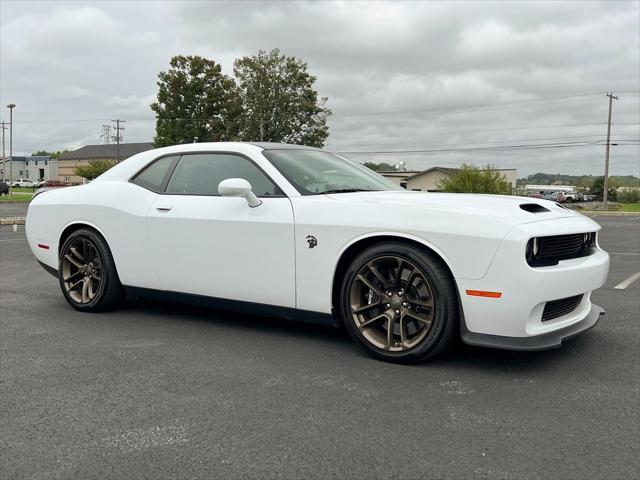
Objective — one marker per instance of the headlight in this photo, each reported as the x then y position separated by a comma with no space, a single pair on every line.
533,249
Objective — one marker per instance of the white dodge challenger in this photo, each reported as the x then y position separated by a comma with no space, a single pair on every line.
302,233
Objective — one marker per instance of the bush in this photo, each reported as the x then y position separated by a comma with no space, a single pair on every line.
472,179
629,196
94,169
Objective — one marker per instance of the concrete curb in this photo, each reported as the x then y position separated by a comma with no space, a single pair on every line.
600,213
13,221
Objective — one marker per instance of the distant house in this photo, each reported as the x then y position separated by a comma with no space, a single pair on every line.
68,161
33,168
429,179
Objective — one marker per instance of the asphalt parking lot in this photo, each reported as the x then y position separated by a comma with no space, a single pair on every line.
13,209
167,391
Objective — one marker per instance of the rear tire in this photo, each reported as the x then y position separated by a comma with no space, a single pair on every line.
87,273
400,303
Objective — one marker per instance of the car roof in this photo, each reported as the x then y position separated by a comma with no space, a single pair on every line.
281,146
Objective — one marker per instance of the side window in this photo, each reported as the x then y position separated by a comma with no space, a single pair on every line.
200,174
154,176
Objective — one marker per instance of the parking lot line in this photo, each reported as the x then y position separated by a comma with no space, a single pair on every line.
627,282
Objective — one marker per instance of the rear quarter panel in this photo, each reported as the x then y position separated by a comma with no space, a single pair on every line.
115,209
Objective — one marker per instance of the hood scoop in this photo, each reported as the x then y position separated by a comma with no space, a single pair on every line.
533,208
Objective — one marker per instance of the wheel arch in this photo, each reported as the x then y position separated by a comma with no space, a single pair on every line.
78,225
357,245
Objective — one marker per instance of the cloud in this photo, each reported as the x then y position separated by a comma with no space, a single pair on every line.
399,75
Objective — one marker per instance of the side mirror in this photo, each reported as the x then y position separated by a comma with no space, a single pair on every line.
239,187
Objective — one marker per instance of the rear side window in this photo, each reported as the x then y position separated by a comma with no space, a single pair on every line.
200,174
154,176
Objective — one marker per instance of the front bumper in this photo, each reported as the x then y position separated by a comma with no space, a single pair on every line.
544,341
517,315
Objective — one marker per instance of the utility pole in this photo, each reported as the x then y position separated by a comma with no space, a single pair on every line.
605,193
3,157
118,137
11,106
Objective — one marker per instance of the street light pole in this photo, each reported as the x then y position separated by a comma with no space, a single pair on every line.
11,106
605,193
3,157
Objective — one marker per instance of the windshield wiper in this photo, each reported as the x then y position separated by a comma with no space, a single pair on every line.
348,190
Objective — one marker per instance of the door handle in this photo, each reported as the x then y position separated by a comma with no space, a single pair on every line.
164,208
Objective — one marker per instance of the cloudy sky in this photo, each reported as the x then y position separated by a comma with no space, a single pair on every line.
514,84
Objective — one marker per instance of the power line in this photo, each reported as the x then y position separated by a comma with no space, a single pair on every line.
494,148
68,120
593,136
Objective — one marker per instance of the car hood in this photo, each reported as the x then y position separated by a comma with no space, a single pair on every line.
504,207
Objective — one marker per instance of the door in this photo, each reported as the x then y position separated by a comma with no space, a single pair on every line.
217,246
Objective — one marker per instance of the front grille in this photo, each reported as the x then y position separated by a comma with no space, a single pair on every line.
561,245
558,308
550,250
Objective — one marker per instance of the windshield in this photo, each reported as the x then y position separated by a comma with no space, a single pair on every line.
314,172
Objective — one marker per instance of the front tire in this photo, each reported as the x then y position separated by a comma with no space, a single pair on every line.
87,273
399,302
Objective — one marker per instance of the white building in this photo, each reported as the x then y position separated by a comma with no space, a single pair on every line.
31,168
428,180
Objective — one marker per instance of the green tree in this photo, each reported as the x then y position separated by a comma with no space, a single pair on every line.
279,101
196,102
597,188
628,196
94,169
584,184
472,179
44,153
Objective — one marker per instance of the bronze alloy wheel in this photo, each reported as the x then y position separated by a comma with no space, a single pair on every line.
82,275
392,303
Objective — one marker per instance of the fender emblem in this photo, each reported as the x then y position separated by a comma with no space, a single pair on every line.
312,241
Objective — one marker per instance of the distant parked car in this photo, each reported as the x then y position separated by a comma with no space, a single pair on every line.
571,197
537,195
23,182
559,197
53,183
4,188
50,185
